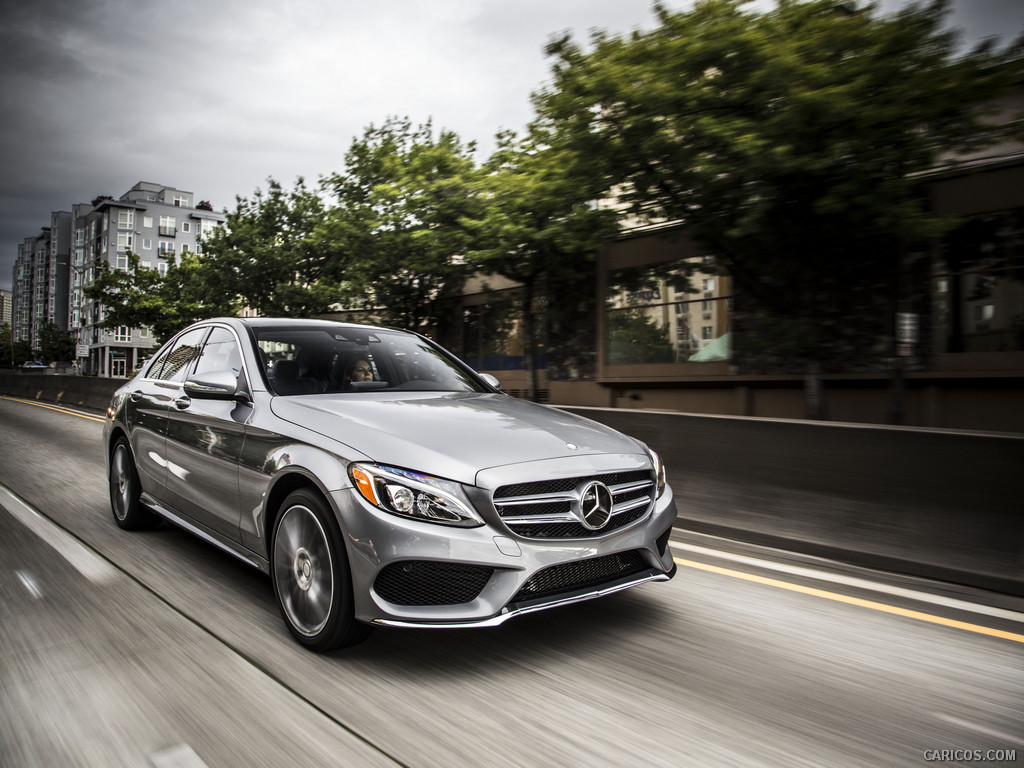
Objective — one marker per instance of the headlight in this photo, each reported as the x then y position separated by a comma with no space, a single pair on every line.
659,467
411,494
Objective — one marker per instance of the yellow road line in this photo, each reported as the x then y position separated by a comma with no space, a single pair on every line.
52,408
853,601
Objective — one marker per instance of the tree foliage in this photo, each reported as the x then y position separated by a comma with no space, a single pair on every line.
139,297
539,226
270,257
398,224
55,345
789,142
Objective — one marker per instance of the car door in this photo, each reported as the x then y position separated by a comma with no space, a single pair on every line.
204,441
149,401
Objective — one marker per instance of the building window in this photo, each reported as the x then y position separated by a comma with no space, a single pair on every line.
180,201
166,247
125,241
147,244
126,219
123,333
122,261
167,226
161,268
147,222
186,226
660,314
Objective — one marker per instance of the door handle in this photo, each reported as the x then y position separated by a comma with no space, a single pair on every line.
183,402
135,396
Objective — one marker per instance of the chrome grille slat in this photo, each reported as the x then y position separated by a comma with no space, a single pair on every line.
540,498
627,487
625,506
539,519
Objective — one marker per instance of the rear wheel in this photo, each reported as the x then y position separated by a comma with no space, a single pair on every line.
125,490
311,576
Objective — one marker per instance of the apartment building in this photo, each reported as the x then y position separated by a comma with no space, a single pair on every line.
6,298
157,223
40,281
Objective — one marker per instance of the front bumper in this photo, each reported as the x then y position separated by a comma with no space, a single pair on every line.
514,575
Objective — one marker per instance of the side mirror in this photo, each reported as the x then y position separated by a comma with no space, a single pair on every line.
215,385
492,380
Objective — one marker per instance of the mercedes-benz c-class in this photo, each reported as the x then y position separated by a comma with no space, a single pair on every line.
378,480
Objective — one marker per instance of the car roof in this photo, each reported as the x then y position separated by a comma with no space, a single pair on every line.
279,322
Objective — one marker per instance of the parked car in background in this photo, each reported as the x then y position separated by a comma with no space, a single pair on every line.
380,481
34,364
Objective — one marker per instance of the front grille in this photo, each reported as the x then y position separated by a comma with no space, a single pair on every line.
581,575
426,582
547,509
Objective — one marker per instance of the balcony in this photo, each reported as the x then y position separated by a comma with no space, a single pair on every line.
168,231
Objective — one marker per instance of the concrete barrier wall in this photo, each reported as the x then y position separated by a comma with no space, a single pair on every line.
945,505
81,391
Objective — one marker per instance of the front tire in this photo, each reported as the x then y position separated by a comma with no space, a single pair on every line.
126,490
310,571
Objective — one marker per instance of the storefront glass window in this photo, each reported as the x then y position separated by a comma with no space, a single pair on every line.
668,313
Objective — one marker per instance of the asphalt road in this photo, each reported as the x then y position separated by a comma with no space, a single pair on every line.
156,649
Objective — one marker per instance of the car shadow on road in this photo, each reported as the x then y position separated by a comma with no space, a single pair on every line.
581,630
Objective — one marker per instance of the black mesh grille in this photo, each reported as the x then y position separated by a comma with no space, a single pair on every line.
575,530
565,484
425,582
581,574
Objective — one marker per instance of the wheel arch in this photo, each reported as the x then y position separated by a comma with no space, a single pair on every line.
284,485
116,433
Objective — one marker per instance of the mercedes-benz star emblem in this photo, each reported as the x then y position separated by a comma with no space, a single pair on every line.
595,505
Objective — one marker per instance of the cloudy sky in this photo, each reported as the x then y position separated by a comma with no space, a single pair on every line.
215,97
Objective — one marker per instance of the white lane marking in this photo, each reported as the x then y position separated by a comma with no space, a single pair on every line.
30,584
851,581
181,756
979,729
90,565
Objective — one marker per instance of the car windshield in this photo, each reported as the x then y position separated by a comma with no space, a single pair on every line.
320,359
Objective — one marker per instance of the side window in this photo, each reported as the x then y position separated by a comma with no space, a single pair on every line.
220,353
176,362
154,368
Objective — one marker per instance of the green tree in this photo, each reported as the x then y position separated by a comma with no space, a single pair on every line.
789,142
398,226
6,346
55,345
139,297
270,257
539,226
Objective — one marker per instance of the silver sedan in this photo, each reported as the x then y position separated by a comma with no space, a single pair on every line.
380,481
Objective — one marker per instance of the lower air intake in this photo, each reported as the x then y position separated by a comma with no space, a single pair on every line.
425,582
582,574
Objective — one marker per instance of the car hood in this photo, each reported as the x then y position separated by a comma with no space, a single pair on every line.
451,434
